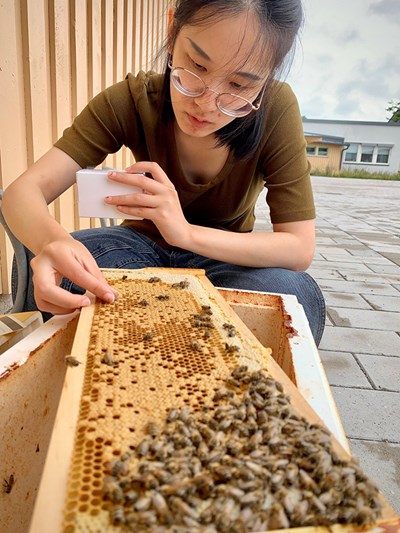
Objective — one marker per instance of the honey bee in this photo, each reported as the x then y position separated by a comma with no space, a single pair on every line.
8,484
108,359
184,284
231,330
231,348
71,361
118,515
144,446
124,277
173,414
143,503
154,279
196,346
151,429
159,504
143,303
148,336
119,468
162,297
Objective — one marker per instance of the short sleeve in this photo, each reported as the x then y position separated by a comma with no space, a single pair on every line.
102,127
283,161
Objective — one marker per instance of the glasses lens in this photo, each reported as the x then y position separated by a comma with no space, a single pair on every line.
232,105
186,82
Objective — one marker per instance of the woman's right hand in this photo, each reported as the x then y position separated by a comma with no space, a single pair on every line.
70,258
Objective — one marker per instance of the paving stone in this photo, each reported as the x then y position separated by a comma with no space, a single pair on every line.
324,273
376,260
381,462
336,252
372,276
383,303
333,256
383,371
369,414
385,269
356,340
366,252
358,287
342,369
344,241
324,240
355,301
366,319
342,267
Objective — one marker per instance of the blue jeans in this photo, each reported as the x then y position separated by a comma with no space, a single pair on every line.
124,247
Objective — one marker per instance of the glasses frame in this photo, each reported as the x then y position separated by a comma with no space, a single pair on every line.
254,107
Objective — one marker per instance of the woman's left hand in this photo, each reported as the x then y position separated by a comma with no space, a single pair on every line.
159,201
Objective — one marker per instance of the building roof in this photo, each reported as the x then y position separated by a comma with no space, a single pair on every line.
327,139
361,122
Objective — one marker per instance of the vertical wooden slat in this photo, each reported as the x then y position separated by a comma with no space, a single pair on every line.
60,69
13,133
79,75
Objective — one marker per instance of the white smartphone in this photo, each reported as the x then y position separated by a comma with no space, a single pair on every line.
93,186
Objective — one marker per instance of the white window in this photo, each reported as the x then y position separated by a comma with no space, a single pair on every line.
373,154
367,153
383,154
323,151
351,153
310,150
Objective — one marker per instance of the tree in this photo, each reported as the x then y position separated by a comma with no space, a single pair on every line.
394,109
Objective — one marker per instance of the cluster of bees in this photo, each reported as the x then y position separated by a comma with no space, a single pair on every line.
247,462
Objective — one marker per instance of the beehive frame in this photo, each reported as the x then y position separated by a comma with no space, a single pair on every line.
95,340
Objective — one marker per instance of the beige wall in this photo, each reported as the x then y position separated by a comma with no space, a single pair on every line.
331,161
54,56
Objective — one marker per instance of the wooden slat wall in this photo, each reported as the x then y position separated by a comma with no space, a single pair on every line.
55,55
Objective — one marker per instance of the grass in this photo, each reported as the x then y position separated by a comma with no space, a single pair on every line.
356,174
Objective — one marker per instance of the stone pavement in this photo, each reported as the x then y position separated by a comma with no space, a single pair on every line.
357,265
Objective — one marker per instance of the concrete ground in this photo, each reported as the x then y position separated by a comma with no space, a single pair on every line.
357,264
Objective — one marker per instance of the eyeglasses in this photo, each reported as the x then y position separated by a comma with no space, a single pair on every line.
190,84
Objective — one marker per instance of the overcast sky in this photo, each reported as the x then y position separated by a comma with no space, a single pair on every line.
347,65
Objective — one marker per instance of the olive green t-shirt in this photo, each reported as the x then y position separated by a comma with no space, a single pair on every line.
127,114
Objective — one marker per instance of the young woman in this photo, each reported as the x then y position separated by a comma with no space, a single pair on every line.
213,130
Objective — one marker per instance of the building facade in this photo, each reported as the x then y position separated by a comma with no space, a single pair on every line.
350,145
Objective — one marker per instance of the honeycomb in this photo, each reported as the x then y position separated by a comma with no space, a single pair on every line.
165,342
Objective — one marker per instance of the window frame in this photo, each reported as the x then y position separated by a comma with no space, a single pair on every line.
374,156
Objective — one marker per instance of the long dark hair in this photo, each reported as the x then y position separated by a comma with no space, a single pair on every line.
279,22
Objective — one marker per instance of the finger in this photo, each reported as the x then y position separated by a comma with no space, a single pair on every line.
81,276
92,267
155,170
133,200
58,301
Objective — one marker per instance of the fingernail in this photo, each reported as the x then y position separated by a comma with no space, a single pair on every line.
112,174
85,302
109,297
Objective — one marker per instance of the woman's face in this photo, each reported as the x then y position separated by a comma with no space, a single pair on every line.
226,57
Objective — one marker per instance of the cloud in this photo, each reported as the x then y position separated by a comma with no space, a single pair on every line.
386,8
349,36
348,66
